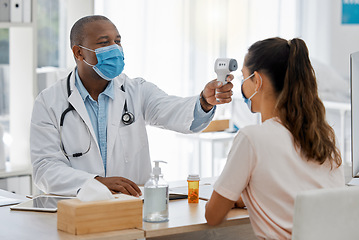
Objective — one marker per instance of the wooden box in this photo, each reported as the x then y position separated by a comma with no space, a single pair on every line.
77,217
217,125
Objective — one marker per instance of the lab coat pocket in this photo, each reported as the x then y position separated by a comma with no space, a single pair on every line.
130,156
133,139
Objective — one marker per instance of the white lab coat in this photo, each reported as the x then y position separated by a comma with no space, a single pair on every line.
127,146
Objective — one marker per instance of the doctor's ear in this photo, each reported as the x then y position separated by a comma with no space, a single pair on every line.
76,50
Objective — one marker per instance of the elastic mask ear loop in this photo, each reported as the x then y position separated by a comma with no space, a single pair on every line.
258,88
88,50
88,63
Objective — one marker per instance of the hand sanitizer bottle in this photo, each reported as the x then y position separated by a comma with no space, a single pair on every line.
156,197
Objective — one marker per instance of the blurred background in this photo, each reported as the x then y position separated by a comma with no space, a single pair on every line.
174,44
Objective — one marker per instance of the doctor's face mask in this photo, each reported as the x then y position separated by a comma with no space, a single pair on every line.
110,61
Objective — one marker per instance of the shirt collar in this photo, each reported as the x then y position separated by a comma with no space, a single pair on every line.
84,93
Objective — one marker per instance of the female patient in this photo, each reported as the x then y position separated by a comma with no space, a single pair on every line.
291,151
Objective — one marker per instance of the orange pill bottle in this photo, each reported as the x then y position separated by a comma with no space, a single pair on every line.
193,188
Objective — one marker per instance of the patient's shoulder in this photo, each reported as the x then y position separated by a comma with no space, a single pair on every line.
268,131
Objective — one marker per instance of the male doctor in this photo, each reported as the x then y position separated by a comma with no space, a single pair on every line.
92,123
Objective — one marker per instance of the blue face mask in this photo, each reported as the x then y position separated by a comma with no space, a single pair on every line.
248,100
110,62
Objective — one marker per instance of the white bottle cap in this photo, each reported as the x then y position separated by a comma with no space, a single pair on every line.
193,177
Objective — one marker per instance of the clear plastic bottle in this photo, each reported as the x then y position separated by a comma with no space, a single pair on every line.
156,197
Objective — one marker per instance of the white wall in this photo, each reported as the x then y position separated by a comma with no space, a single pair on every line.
328,40
74,11
345,40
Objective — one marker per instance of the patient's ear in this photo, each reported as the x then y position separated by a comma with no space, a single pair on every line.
258,80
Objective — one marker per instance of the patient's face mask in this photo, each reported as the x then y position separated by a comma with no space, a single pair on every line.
110,61
248,101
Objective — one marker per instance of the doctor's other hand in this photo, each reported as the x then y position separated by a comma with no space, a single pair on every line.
215,93
120,185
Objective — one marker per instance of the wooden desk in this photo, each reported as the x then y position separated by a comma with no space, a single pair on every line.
36,225
28,225
187,221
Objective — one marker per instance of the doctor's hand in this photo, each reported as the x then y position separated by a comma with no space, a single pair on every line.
120,184
215,93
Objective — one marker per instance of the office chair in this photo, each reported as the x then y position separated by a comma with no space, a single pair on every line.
329,214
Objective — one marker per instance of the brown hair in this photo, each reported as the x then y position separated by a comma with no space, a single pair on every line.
299,107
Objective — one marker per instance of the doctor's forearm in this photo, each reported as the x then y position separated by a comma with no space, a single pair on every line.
201,118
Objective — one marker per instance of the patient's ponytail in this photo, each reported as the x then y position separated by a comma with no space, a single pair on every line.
298,105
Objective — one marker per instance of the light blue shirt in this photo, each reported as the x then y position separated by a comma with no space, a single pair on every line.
97,111
201,118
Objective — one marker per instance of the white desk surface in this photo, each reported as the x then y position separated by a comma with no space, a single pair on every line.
11,171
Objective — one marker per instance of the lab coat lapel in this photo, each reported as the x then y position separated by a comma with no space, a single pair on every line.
77,102
114,115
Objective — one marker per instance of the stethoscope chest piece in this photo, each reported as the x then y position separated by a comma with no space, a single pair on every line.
128,118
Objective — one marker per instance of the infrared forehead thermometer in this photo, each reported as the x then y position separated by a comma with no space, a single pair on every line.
223,67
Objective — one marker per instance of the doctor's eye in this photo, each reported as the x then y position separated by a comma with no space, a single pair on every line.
103,43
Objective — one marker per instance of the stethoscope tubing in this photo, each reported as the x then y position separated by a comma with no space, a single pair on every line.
127,118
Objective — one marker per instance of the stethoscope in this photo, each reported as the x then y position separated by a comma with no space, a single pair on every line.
127,118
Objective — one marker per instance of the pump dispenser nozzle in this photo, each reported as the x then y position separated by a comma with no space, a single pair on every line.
157,170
